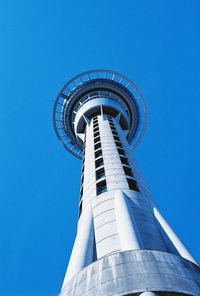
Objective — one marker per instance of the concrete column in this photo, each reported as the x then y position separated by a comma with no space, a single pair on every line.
128,231
173,237
83,250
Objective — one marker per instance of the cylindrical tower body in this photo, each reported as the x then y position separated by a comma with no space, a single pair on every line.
123,245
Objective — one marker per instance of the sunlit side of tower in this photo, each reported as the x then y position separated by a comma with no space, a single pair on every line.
124,246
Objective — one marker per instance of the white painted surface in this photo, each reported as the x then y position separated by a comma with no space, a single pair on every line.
119,219
82,253
129,235
173,237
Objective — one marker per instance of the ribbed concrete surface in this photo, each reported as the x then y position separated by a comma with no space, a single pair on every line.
130,272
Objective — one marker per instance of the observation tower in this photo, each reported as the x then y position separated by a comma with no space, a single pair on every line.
124,246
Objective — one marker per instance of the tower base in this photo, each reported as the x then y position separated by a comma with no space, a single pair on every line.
135,272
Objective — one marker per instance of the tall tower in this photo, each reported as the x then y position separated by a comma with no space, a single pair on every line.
124,246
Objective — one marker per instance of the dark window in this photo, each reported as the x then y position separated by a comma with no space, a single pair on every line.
116,138
97,139
115,133
128,171
124,160
95,125
101,187
83,160
96,133
121,151
133,185
97,146
118,144
82,179
96,129
81,193
80,209
100,173
113,129
99,162
98,153
83,166
83,169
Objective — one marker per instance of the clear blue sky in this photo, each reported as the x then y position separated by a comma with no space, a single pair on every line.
45,43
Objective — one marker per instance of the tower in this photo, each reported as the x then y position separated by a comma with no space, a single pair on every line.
124,246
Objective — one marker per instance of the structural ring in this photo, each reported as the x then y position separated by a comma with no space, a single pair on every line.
93,84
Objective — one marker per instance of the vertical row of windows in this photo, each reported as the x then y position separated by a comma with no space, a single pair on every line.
124,160
82,177
82,171
99,164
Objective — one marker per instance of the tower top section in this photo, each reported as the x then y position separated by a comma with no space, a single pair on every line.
93,93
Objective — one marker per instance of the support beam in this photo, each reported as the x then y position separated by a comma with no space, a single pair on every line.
173,237
128,230
82,253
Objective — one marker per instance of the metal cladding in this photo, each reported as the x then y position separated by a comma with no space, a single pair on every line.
97,84
124,246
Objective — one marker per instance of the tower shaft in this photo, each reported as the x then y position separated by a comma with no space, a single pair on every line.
123,246
116,211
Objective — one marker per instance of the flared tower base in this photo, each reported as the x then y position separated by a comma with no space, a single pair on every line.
135,272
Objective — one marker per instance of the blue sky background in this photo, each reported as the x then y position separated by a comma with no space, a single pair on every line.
45,43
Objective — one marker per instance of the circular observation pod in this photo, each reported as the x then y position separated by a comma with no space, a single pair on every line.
93,93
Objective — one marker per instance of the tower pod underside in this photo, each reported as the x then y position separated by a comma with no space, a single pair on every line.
103,85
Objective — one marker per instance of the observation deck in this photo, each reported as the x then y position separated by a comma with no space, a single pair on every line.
92,93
